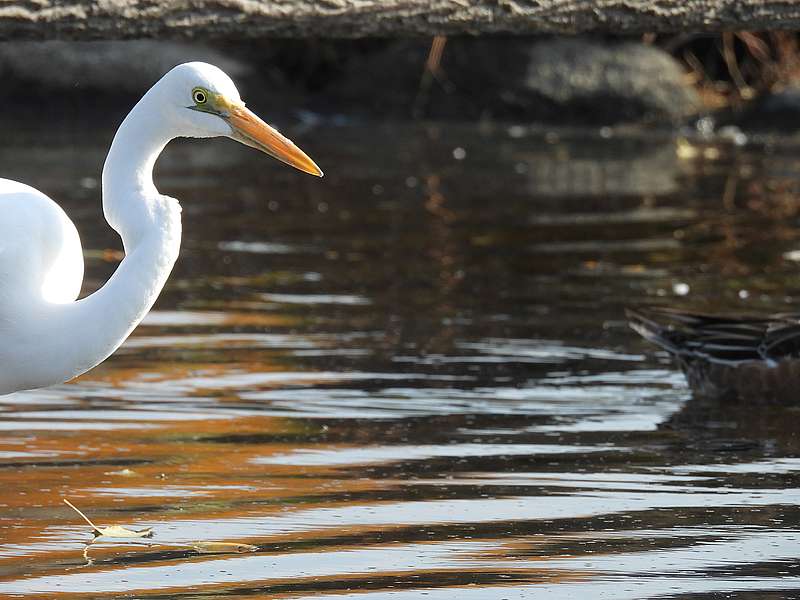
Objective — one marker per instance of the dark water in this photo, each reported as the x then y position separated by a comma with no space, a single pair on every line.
413,378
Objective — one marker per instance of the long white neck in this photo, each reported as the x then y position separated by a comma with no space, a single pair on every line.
150,227
129,195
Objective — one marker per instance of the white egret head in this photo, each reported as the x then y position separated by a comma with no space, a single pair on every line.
202,101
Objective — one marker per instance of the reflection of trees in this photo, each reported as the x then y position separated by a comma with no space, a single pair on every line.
426,304
443,249
752,217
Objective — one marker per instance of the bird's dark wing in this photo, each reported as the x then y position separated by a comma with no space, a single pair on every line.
729,339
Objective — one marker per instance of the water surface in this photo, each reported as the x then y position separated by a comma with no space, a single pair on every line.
413,378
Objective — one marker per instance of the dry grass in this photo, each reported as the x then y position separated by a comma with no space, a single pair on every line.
733,68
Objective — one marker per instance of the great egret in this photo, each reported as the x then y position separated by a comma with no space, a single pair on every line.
729,357
47,335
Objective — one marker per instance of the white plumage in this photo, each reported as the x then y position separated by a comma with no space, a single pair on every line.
47,335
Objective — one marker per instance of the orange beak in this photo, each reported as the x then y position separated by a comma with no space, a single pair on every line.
252,131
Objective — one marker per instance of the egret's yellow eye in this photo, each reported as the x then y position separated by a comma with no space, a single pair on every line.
199,96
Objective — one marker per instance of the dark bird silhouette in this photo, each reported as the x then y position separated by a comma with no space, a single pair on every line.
731,357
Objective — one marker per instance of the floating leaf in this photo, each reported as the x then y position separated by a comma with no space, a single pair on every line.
223,548
116,531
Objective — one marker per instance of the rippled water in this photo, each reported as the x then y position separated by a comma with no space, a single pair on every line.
413,378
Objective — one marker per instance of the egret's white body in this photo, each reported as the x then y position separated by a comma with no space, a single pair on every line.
47,335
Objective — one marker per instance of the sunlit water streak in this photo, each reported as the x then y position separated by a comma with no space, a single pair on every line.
414,379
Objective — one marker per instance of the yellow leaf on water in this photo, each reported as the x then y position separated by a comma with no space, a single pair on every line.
117,531
223,547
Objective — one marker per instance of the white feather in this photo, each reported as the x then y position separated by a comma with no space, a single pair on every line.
47,336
